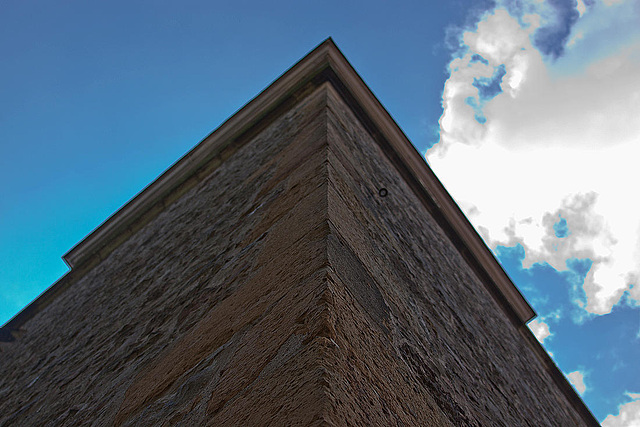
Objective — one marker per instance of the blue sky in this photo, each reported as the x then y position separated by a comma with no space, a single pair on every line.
537,100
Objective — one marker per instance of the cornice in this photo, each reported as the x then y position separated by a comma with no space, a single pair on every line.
325,63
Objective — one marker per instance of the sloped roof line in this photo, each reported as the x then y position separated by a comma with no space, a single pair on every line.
212,145
432,192
324,63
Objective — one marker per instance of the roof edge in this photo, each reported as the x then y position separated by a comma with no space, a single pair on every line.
198,162
438,200
324,63
266,101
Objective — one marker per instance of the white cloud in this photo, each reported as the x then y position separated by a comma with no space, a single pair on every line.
562,139
628,414
576,378
582,8
540,329
499,39
594,110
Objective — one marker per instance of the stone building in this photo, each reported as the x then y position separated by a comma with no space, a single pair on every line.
301,265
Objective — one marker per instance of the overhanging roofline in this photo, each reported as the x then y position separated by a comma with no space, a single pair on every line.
325,63
211,147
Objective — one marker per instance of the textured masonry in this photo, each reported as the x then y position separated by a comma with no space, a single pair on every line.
282,288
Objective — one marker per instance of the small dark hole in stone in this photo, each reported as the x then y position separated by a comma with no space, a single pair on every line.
383,192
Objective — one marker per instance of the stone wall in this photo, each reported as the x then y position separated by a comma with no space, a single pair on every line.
197,317
414,324
282,290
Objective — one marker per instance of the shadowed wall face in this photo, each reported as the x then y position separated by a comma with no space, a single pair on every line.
282,289
415,325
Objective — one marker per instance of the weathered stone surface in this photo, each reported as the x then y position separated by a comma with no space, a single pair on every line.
282,290
415,327
206,315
